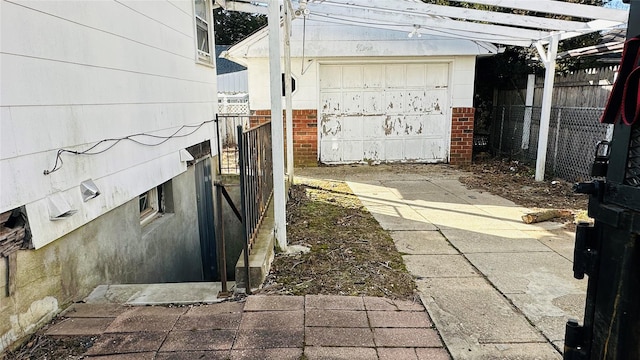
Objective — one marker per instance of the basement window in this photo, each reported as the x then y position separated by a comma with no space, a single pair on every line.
156,202
149,205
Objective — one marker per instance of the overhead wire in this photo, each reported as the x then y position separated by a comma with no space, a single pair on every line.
450,32
114,141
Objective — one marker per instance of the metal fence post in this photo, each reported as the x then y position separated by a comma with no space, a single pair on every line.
222,262
501,131
243,208
555,146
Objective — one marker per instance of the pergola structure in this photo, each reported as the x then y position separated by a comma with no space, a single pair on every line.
495,21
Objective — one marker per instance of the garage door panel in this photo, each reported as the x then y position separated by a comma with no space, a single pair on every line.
331,77
416,102
437,75
393,149
413,149
372,127
394,100
373,76
416,75
395,76
352,77
433,147
373,150
395,126
330,102
352,102
352,151
372,103
331,127
331,150
412,126
352,127
434,101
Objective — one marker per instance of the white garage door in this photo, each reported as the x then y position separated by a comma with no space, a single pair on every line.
383,112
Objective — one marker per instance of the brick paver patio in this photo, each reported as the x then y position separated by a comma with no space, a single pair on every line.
262,327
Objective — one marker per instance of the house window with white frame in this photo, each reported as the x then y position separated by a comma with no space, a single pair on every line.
203,24
149,205
156,202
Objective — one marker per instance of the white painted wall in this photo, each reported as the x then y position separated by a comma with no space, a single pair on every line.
462,81
78,72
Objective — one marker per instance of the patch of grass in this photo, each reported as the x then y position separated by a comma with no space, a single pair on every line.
350,253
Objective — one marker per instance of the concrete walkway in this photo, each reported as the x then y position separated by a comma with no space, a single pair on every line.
262,327
495,287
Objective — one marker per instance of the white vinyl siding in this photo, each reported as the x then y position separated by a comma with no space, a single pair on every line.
80,72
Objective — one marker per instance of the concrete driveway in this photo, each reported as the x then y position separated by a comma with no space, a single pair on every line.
495,287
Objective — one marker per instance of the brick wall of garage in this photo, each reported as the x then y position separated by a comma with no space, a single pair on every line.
461,135
305,134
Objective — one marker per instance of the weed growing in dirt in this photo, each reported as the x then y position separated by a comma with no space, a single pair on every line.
350,253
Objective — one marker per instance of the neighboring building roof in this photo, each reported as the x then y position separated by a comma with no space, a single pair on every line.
225,66
608,50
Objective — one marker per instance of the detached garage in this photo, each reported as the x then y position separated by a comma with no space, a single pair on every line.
371,95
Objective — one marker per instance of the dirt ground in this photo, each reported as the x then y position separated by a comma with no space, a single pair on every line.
515,181
350,254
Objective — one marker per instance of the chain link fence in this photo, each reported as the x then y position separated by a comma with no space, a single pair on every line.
573,135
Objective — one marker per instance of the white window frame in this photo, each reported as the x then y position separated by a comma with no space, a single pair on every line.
152,208
203,57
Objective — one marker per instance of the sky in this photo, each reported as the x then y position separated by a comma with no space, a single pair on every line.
617,4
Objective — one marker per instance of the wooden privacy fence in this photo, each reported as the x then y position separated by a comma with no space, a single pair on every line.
584,88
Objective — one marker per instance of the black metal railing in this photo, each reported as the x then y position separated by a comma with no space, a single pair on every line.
256,183
228,139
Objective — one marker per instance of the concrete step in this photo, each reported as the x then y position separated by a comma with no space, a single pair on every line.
158,294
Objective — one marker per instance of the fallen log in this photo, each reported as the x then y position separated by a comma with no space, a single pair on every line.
545,215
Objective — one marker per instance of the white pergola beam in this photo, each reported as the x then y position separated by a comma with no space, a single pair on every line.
436,32
287,89
246,7
417,8
277,127
545,113
444,26
558,8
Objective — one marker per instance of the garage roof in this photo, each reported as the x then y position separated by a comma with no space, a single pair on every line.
318,39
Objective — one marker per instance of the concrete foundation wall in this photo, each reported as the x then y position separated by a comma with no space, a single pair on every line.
112,249
233,236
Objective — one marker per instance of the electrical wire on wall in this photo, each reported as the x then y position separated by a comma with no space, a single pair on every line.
136,138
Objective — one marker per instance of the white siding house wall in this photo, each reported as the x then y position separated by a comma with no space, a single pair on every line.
233,83
75,73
